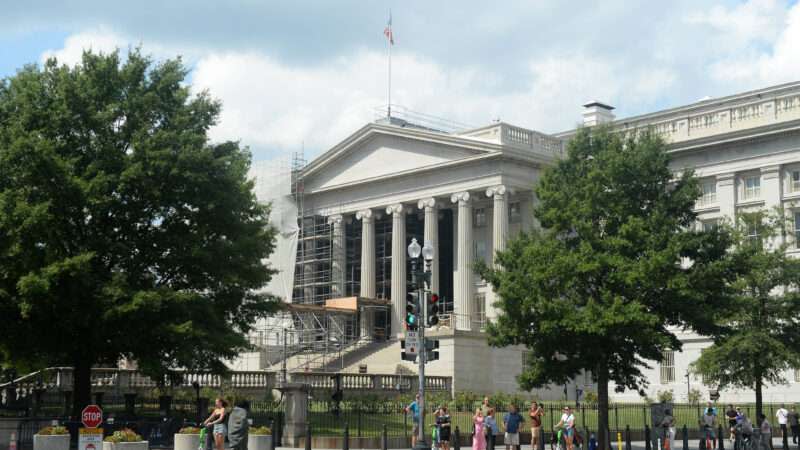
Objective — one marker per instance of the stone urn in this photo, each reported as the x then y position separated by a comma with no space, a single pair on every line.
187,441
257,442
51,442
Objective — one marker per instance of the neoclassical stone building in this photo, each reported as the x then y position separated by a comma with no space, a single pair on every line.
467,192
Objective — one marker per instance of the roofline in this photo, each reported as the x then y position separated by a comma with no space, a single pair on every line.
699,105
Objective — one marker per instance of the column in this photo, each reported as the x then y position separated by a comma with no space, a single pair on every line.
398,266
499,235
464,282
338,255
771,193
367,267
726,196
432,236
499,218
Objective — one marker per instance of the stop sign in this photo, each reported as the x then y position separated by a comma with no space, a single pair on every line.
92,416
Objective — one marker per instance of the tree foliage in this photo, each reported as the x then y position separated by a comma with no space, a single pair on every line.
758,338
599,287
124,232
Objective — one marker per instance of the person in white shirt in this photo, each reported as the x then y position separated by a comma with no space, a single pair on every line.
783,418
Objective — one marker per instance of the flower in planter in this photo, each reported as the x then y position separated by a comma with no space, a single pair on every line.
189,430
260,431
53,431
124,435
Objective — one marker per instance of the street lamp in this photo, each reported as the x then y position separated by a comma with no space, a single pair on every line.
414,252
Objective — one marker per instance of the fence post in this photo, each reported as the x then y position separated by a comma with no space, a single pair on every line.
346,440
685,437
616,416
385,439
273,441
308,436
359,420
721,439
648,442
456,439
627,437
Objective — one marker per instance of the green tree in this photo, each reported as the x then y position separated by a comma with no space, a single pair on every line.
758,339
601,284
124,232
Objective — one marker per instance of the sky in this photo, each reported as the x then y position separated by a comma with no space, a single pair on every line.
304,74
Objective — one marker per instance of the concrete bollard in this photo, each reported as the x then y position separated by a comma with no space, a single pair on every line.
457,439
720,439
648,441
685,438
272,442
346,438
308,436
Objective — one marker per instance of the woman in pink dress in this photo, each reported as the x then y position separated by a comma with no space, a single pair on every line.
478,439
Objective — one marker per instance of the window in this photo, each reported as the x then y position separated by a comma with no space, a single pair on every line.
514,213
797,229
752,187
710,225
526,357
480,306
480,250
794,180
709,192
797,375
479,217
752,231
668,367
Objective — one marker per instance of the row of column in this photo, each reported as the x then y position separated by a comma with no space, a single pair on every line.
464,281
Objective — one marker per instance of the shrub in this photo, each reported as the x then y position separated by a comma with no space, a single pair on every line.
590,397
665,396
189,430
124,435
53,431
261,431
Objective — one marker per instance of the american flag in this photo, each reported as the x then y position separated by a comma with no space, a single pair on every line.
388,31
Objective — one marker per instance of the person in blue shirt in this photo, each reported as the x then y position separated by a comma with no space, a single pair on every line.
492,429
511,422
413,408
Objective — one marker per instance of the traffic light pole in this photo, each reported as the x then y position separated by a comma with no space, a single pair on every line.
422,321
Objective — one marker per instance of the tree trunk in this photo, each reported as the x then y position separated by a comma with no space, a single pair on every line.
759,400
603,438
81,387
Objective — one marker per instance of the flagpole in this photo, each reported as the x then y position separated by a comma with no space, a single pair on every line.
389,92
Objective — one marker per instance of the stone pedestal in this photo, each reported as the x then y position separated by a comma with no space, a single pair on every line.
295,396
51,442
187,441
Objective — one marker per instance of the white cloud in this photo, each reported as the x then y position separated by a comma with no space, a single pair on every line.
98,40
750,21
777,63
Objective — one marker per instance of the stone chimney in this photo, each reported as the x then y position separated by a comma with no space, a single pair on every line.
595,113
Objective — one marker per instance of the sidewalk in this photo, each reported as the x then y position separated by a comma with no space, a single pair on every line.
635,445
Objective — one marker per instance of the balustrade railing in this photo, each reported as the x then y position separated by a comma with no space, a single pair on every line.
531,139
369,382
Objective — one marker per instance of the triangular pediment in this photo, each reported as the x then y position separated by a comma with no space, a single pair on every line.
383,154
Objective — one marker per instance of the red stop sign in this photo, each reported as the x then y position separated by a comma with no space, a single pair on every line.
92,416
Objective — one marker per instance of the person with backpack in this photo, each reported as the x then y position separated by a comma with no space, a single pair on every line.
444,427
708,423
567,424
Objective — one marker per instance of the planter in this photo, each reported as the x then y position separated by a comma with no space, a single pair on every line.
257,442
187,441
51,442
141,445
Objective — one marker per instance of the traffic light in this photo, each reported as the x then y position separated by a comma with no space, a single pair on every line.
431,350
412,311
433,310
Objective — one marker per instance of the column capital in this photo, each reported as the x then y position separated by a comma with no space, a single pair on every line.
462,198
395,209
496,191
429,202
365,215
335,219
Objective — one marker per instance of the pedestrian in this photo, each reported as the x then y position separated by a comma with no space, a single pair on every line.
794,424
492,430
567,424
485,407
668,425
444,427
766,433
536,413
511,423
708,422
217,419
435,441
782,414
710,405
238,427
478,437
413,408
731,414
